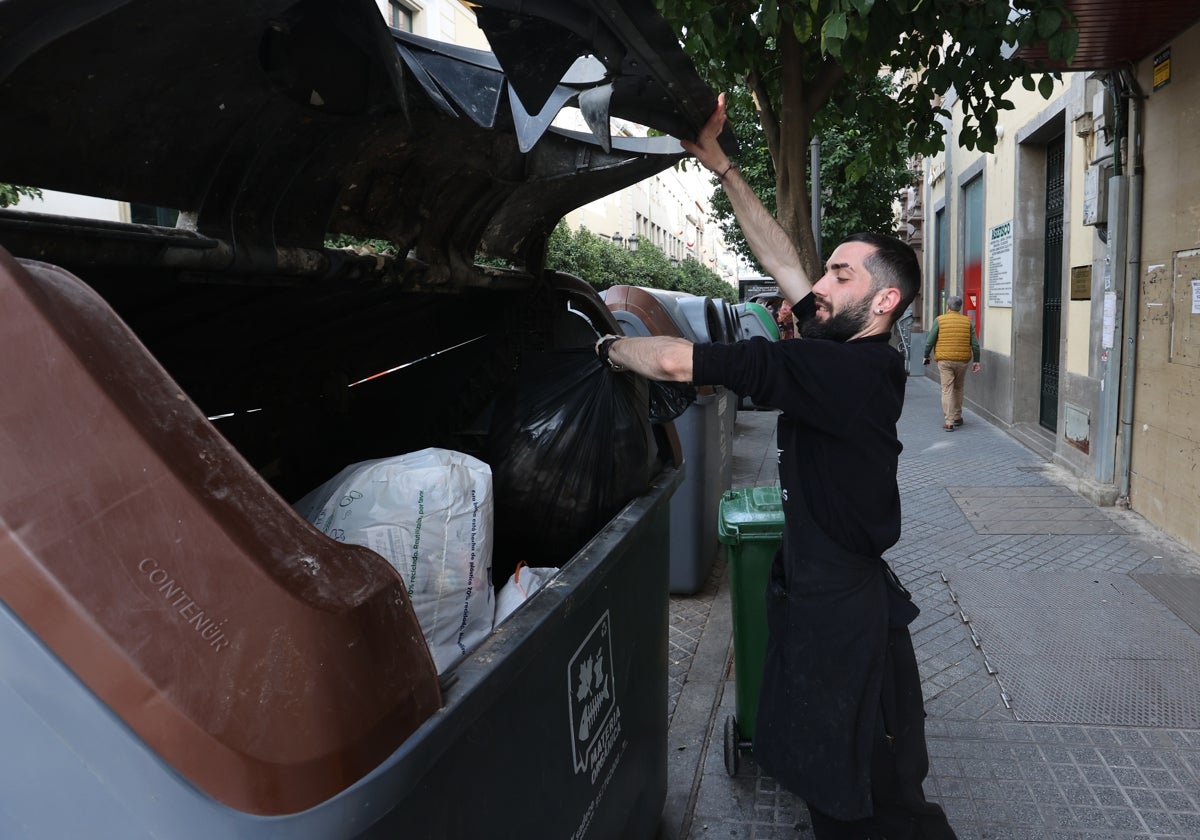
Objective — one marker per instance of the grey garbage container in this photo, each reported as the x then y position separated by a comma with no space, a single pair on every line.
708,319
754,320
705,434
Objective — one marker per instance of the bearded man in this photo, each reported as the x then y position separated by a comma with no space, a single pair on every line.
841,717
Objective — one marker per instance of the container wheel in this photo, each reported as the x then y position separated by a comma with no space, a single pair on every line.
732,743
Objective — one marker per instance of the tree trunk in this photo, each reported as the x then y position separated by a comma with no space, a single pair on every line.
791,157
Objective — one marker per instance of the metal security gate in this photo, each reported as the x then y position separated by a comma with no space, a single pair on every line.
1052,285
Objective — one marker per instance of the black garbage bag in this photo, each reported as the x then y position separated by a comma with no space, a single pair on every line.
669,400
569,446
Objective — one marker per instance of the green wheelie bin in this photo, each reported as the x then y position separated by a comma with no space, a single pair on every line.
750,524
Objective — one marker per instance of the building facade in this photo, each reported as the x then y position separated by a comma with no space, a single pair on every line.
1075,245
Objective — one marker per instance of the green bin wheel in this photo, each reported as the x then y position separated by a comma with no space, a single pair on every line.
732,743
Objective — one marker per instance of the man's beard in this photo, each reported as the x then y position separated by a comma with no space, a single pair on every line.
842,326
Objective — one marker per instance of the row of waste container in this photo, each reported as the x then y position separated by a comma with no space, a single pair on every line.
183,655
704,510
603,740
705,429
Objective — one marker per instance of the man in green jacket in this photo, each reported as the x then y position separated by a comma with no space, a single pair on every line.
953,343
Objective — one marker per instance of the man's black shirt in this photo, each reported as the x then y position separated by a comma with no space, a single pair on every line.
840,402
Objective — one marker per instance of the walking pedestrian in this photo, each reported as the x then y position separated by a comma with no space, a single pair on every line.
841,718
953,343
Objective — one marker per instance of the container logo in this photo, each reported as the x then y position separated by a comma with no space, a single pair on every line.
591,696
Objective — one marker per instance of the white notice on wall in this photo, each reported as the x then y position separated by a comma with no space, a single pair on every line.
1195,296
1110,320
1000,255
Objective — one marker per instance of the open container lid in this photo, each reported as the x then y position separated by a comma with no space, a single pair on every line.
271,123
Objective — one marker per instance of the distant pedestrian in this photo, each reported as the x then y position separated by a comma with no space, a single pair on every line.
787,325
953,343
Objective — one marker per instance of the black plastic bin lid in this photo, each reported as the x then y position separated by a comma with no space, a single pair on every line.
271,123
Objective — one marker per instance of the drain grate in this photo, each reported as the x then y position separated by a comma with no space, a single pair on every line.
1077,647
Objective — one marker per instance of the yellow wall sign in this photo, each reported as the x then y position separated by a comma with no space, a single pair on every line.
1162,68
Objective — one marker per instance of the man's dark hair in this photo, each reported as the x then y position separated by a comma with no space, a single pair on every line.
894,264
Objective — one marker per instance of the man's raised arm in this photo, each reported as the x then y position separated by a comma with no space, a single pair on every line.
771,245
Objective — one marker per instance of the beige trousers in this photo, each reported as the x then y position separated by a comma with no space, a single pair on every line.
954,378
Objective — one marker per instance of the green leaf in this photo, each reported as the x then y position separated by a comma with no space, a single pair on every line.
862,7
1048,22
1027,31
857,168
768,17
1028,83
1061,46
1046,86
10,194
802,25
833,32
967,136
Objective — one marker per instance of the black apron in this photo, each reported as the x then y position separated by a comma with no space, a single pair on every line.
819,713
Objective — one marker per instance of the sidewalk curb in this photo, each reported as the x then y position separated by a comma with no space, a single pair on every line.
691,731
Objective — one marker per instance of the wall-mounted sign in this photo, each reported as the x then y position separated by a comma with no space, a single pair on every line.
1162,68
999,262
1108,329
1081,282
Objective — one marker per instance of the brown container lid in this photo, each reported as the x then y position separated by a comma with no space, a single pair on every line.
271,666
637,301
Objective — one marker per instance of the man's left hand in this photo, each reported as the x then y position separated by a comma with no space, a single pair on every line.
706,147
975,367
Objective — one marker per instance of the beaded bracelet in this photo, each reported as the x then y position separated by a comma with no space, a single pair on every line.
603,346
721,177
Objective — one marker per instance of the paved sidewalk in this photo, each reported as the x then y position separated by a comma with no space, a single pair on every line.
1059,645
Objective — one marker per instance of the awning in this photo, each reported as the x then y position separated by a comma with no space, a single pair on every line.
1115,33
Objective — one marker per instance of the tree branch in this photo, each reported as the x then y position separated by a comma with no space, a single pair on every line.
767,117
821,87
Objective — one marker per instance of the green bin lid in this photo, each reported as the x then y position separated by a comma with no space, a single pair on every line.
750,513
764,315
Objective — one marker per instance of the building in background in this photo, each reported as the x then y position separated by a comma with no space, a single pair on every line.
1075,247
441,20
671,212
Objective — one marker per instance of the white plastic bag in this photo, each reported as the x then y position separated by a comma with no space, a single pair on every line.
429,513
521,585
